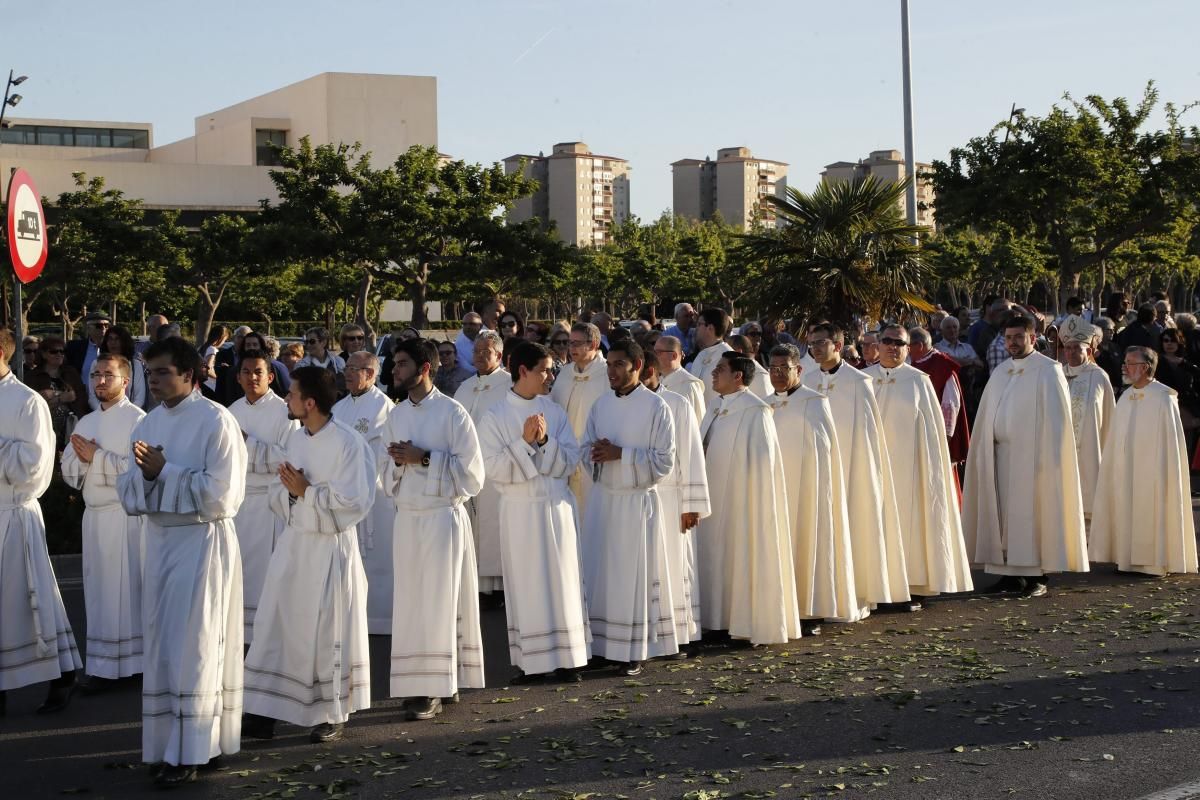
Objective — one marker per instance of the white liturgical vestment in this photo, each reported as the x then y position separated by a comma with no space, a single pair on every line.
747,585
265,426
702,366
36,642
576,391
192,672
112,543
914,427
1092,407
477,394
437,647
685,383
367,414
1142,516
310,662
879,570
539,539
822,555
1022,510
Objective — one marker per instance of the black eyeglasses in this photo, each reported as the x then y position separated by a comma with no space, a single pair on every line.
893,342
312,341
558,343
354,336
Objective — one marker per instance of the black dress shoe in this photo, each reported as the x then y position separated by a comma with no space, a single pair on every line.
173,776
424,708
569,674
632,669
452,700
93,685
257,727
682,655
1006,584
810,627
155,770
522,678
57,698
214,763
910,606
326,732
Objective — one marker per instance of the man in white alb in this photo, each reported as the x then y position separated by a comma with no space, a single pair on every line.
1022,508
1092,402
821,547
528,452
684,496
747,584
310,662
914,427
668,358
112,539
629,445
263,418
1142,516
435,467
364,409
477,394
188,478
576,389
880,577
36,642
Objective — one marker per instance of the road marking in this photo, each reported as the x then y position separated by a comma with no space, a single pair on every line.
1184,791
116,726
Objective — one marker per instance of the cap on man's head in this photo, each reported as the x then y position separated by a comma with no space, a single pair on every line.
97,316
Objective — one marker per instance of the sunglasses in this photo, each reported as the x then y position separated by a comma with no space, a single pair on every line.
893,342
559,342
30,350
55,352
312,341
354,336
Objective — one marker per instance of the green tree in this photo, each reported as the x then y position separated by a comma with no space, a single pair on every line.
1083,181
844,249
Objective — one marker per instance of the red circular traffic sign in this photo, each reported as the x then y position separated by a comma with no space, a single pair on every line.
26,227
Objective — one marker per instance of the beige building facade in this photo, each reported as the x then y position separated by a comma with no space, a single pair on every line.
582,193
736,184
224,165
888,165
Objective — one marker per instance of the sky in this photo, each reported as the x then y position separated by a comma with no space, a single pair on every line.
651,81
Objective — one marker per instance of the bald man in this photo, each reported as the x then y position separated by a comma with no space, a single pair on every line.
472,324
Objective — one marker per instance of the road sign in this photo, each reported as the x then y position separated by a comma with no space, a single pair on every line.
26,227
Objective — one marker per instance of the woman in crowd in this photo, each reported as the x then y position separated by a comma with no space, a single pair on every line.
290,355
1175,371
317,353
560,340
510,324
61,385
29,351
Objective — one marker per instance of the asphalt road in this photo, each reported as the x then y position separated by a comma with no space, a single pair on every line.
1089,693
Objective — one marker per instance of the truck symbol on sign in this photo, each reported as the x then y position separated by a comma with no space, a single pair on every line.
29,226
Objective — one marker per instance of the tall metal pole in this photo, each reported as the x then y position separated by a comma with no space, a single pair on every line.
910,163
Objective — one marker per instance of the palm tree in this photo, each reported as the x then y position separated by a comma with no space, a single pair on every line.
842,251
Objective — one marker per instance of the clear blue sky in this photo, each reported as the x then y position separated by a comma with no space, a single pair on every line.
652,81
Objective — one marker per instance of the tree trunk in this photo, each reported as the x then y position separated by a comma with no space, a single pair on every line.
206,311
417,291
142,314
360,305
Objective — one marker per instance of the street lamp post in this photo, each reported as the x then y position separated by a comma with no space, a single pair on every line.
910,163
10,99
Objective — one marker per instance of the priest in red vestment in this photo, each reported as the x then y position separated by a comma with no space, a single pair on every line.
943,371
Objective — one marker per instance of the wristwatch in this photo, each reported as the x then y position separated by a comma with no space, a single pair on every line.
425,460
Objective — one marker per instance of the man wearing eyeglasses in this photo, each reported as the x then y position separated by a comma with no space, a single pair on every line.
82,352
112,539
577,389
1142,515
1092,402
365,409
1022,508
880,576
914,428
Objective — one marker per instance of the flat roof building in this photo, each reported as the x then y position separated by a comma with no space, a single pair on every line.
224,165
735,184
582,193
888,165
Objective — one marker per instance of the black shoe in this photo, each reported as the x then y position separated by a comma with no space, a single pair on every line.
682,655
521,679
452,700
910,606
257,727
810,627
155,770
569,674
1007,584
326,732
93,686
1035,588
214,763
57,698
632,669
171,776
424,708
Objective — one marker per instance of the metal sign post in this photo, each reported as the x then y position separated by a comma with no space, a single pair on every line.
27,244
